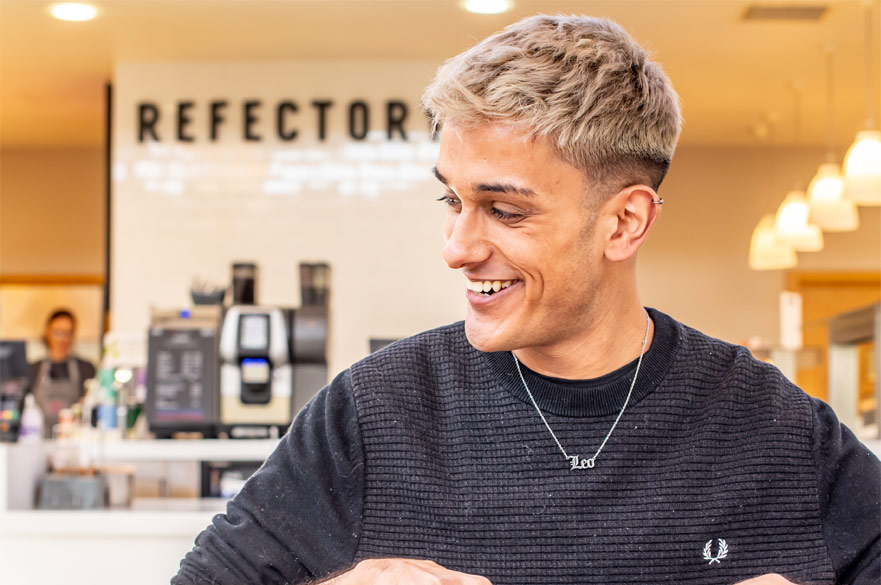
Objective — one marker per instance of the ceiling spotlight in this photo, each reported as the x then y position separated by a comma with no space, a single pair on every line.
487,6
73,11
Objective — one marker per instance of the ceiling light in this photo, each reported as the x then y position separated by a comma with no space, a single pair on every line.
829,208
862,169
73,11
793,227
766,251
487,6
862,163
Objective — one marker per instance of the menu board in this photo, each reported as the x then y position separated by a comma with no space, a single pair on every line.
182,378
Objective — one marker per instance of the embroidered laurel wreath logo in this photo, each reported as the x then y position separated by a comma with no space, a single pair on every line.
708,551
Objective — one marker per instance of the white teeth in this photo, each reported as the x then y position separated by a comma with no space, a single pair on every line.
484,286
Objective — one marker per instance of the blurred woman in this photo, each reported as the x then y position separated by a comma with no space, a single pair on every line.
57,380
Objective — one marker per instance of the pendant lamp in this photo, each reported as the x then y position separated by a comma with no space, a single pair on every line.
862,163
766,251
792,224
829,208
862,169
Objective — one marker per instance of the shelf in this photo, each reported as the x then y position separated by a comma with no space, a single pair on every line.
126,523
183,450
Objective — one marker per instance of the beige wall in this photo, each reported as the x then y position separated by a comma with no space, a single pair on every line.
51,228
52,211
694,265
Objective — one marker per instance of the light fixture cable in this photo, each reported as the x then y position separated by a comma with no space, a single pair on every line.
830,104
870,118
828,207
862,162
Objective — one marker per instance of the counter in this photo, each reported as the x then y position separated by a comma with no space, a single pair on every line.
140,545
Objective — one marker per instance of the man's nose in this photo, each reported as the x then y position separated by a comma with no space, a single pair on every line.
465,241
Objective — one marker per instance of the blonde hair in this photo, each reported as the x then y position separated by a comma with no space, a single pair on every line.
582,82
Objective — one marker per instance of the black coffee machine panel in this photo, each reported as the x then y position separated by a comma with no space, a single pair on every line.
308,344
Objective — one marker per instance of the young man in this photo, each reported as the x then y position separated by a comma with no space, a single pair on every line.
563,433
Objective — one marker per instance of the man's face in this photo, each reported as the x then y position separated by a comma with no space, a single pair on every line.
518,219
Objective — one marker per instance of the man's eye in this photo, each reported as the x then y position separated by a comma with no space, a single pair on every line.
449,200
506,216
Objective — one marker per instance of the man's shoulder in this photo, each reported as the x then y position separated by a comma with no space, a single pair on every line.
432,358
730,376
440,342
696,355
725,359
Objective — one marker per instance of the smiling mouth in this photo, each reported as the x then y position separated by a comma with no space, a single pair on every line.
488,287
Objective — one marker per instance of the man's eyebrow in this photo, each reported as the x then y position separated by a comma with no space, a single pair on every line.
504,188
490,187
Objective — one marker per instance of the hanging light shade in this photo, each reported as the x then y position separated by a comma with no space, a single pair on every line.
862,169
766,251
793,227
828,207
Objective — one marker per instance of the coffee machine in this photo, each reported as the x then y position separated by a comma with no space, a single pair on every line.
256,376
244,370
273,359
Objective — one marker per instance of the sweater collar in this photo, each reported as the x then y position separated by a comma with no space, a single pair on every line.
597,396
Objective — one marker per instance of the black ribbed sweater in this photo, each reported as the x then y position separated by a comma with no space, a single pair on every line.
719,470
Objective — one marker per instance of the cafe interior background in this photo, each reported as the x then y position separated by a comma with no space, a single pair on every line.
125,188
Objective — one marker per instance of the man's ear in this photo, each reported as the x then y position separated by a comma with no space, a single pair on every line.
635,209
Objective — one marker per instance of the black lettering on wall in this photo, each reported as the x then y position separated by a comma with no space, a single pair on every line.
187,115
183,120
396,113
216,117
322,106
251,119
280,119
359,120
148,117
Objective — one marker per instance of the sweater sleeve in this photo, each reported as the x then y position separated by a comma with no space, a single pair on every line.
849,490
298,518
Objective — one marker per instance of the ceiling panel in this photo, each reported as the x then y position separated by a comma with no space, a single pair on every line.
735,77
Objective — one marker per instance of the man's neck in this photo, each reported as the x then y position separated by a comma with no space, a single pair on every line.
58,357
612,341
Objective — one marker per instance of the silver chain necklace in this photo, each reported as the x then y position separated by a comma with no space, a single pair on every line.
576,461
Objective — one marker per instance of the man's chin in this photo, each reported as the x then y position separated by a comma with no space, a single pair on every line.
486,338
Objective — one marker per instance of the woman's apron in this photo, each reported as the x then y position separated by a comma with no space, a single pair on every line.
52,394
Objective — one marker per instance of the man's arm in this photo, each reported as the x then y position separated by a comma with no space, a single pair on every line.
849,490
299,517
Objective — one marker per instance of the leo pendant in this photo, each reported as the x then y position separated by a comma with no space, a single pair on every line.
578,463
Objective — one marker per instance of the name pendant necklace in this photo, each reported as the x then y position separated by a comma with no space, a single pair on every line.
576,461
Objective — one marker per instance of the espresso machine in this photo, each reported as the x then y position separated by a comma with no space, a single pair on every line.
273,359
244,370
256,376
